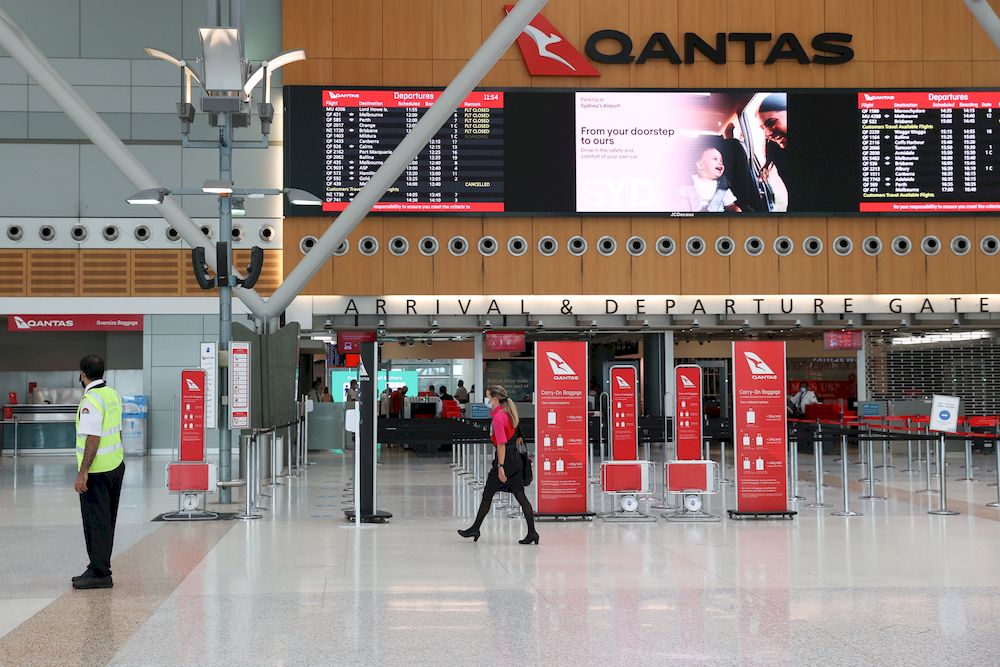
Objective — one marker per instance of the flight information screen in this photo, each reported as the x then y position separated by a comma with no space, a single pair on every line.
460,170
678,153
929,151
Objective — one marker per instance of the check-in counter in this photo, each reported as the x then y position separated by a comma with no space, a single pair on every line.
39,427
326,426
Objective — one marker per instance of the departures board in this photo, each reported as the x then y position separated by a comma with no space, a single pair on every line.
672,153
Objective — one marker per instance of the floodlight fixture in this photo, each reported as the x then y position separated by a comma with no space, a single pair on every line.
150,197
237,207
301,197
223,60
267,68
217,186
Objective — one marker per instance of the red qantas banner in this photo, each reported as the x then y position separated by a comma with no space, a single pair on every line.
687,412
505,341
759,428
350,341
929,100
561,427
408,99
547,52
74,323
624,414
192,415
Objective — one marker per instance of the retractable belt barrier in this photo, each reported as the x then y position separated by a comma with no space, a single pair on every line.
915,428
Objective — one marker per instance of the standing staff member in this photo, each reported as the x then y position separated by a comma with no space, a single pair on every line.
100,460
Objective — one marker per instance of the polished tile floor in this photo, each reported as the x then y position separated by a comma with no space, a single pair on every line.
302,587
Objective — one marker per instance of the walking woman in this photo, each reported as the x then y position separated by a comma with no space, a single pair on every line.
506,473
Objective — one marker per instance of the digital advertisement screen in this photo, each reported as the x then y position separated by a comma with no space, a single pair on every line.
652,152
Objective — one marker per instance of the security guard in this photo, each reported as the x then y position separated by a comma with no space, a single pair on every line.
100,459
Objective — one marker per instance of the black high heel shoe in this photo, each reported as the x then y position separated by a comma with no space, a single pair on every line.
470,532
532,538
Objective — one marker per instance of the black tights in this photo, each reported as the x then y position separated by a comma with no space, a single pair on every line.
493,485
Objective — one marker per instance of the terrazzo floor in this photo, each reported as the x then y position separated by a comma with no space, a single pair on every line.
303,587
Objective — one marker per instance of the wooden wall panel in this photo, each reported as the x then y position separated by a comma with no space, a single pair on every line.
898,29
458,275
946,272
492,13
355,72
294,231
407,29
13,273
754,275
986,73
605,15
457,26
902,74
443,71
104,273
648,16
308,24
948,74
750,16
651,272
357,29
158,272
905,274
407,72
708,273
509,73
799,273
612,274
413,273
982,47
856,17
855,273
53,272
947,30
858,73
355,274
987,268
562,273
311,72
504,273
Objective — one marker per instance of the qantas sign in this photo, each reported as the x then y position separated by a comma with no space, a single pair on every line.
547,52
27,323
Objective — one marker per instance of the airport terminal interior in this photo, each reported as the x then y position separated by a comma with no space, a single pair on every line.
545,332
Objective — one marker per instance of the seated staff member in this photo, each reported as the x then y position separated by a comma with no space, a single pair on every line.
462,394
443,396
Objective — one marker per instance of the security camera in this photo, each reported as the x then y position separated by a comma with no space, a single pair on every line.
487,325
798,324
695,324
428,342
328,324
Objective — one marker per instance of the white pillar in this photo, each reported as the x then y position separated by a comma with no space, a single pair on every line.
668,373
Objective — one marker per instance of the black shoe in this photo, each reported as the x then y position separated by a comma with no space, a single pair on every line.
470,532
93,582
532,538
86,573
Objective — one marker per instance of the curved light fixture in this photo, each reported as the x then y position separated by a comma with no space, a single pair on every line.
301,197
267,67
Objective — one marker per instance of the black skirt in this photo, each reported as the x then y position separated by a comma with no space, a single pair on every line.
511,467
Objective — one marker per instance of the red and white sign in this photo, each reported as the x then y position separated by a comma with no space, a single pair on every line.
929,100
624,413
407,99
505,341
759,428
547,52
688,412
842,340
561,427
239,384
74,323
192,445
349,342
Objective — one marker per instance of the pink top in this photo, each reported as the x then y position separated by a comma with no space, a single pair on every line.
501,425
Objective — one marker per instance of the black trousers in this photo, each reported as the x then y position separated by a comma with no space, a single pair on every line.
493,485
99,509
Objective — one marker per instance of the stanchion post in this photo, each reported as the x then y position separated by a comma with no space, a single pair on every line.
871,470
942,509
794,485
909,448
968,462
818,462
843,478
996,449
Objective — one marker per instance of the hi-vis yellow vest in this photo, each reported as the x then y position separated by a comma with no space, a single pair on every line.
111,452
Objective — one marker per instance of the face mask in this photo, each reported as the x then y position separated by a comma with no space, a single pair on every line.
487,403
83,383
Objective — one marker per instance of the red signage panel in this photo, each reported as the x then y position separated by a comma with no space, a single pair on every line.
688,412
842,340
624,413
505,341
350,341
27,323
192,443
561,427
759,428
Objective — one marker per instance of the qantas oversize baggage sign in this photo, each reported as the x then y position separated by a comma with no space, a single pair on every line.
759,426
